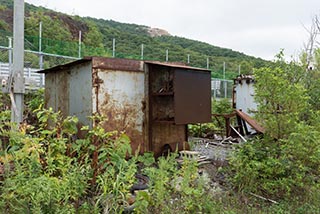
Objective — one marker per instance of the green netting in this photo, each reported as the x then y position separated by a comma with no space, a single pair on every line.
71,49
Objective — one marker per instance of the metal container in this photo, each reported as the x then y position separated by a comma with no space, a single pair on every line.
243,96
151,102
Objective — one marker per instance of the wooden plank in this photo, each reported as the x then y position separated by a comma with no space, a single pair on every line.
250,121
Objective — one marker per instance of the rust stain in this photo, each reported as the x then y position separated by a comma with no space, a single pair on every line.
171,134
122,118
117,64
96,81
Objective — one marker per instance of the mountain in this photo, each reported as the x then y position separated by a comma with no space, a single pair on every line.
61,34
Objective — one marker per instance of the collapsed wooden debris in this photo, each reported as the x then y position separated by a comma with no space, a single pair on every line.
193,155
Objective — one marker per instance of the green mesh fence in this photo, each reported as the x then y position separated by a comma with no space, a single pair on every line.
56,52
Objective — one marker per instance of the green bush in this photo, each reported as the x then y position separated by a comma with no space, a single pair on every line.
284,164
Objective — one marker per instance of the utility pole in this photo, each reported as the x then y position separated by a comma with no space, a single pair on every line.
142,47
188,59
113,47
224,79
167,55
208,65
18,61
224,70
79,44
41,55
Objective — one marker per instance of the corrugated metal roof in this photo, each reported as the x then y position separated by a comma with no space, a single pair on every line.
65,66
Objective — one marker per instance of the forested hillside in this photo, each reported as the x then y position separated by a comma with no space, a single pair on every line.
61,33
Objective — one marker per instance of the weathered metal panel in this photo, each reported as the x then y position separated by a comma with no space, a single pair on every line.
244,96
163,132
167,134
117,64
244,90
50,91
80,86
57,91
119,96
192,96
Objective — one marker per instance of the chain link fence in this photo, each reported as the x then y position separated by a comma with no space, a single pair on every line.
42,53
221,88
33,61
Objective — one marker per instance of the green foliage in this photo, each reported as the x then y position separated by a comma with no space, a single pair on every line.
98,34
172,190
282,102
222,106
3,25
201,130
284,164
48,170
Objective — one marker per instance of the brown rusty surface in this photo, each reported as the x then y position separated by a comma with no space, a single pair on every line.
192,95
117,64
250,121
120,99
163,108
166,133
122,119
163,129
174,65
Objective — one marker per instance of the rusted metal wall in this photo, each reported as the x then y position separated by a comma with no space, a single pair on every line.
69,91
167,134
57,91
80,96
136,97
120,98
162,128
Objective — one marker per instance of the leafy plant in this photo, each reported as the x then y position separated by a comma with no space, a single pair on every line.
285,162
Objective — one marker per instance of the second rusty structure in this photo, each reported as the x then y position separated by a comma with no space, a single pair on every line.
152,102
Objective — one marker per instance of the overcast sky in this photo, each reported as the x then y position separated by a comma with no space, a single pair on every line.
255,27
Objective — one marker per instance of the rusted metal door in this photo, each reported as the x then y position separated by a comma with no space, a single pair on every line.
192,96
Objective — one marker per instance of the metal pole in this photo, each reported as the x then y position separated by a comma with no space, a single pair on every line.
215,89
79,45
224,79
239,69
224,70
41,55
208,63
18,61
8,88
142,51
40,36
225,88
10,53
167,55
113,47
188,59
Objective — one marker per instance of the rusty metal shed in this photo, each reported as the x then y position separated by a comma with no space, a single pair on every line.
151,101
